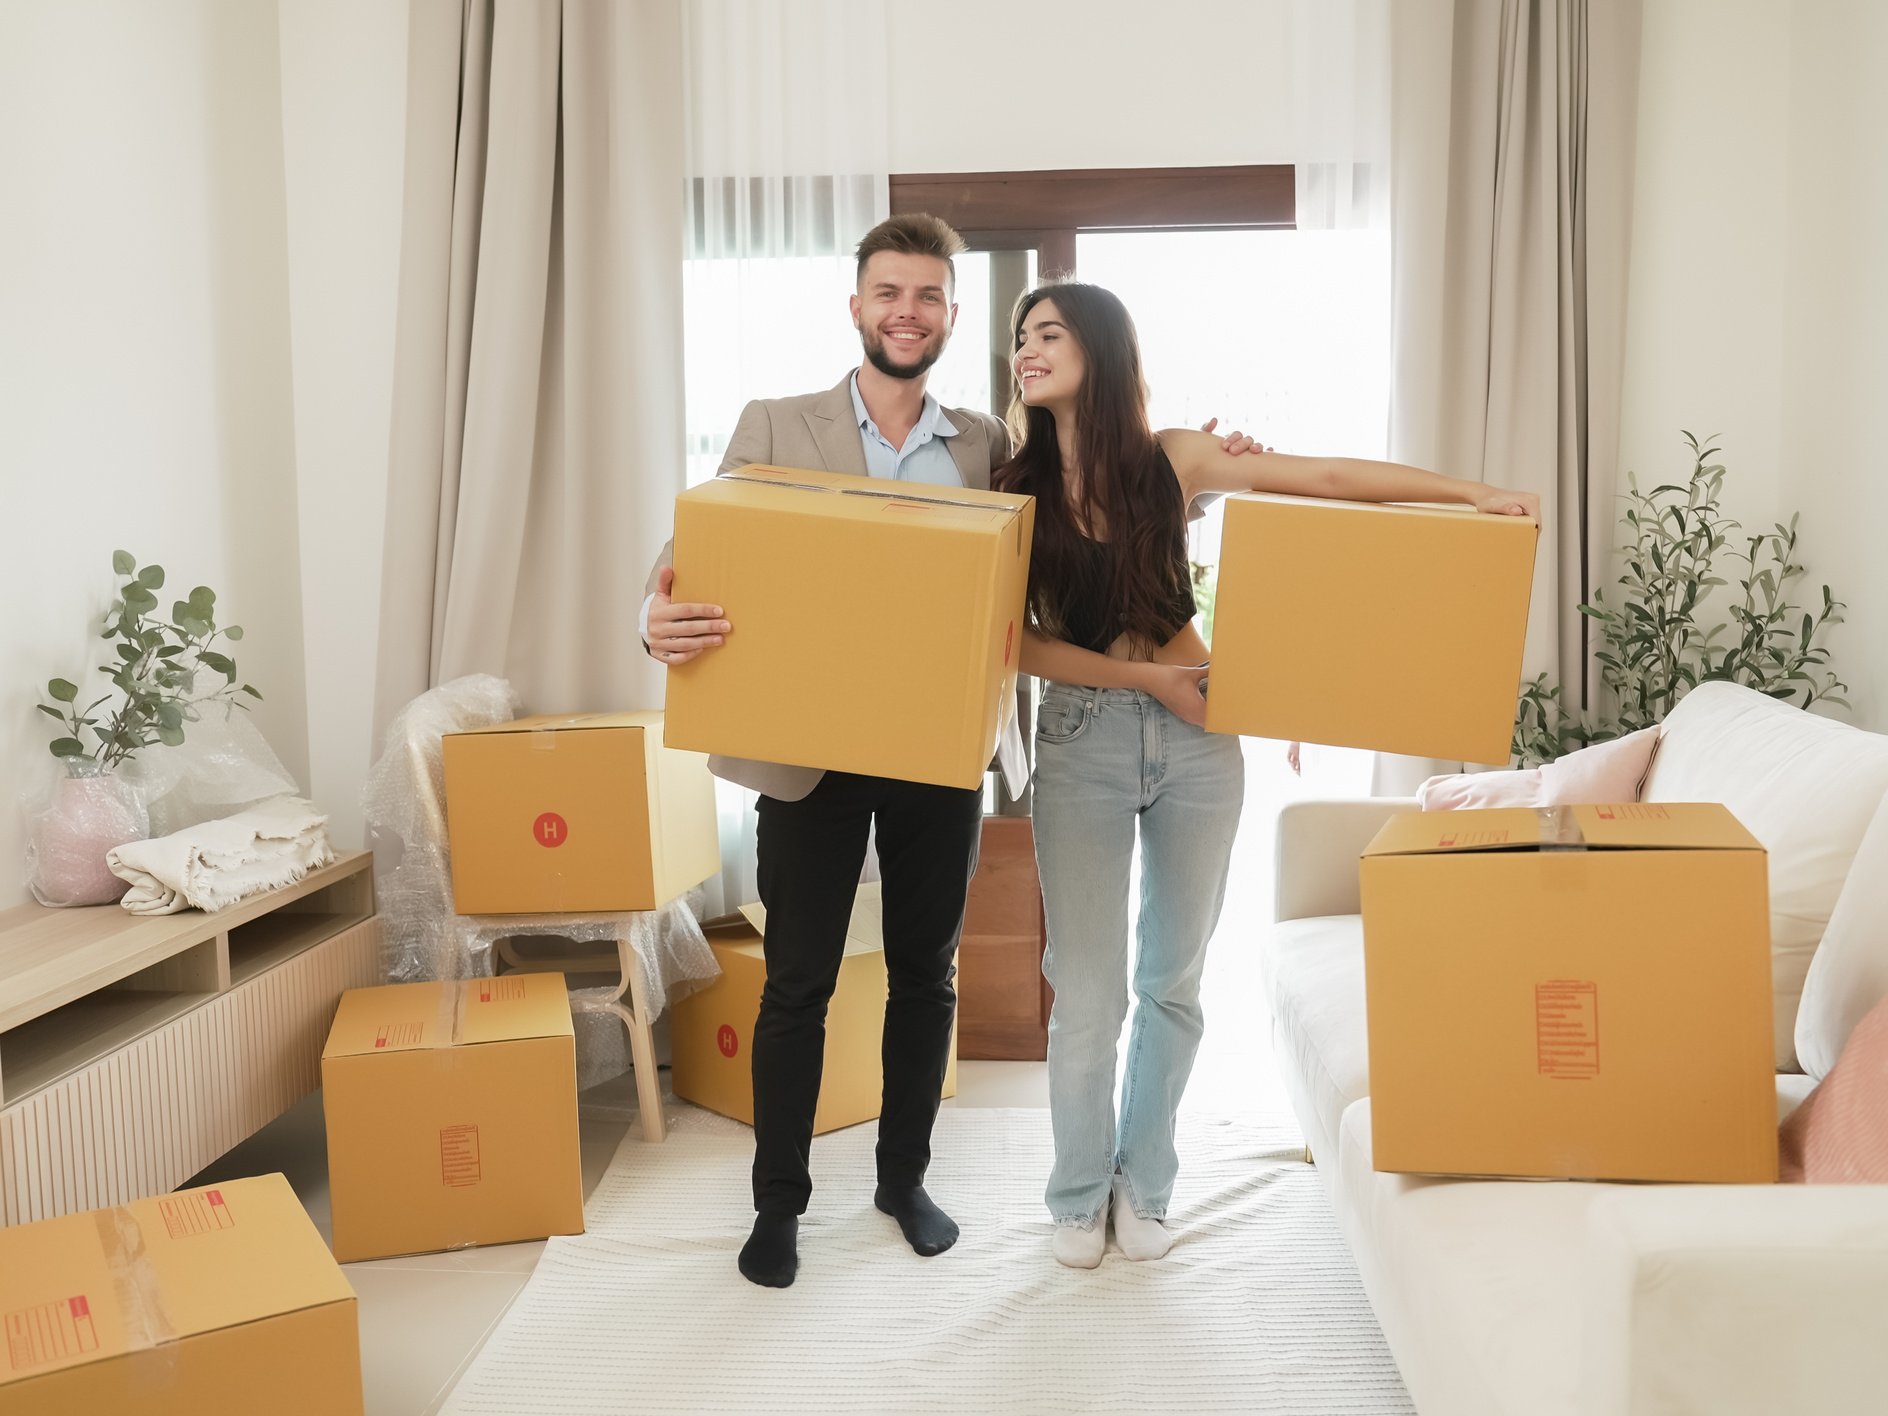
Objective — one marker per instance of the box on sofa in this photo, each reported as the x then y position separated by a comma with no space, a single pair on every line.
1581,993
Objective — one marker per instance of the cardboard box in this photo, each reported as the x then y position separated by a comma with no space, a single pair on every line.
452,1116
220,1299
1395,628
876,624
576,815
1578,993
712,1032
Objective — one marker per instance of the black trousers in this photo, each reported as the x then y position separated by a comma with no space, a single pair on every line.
811,853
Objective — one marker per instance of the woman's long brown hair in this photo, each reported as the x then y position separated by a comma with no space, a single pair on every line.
1124,488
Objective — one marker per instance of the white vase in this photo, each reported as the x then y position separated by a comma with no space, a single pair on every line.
91,812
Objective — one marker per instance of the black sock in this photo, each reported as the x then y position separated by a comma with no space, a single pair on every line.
771,1255
927,1228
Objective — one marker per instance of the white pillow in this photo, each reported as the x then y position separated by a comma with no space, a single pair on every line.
1849,974
1806,787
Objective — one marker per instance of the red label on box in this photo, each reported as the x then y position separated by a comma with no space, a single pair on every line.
550,830
399,1034
459,1155
727,1040
501,990
50,1332
1567,1029
1640,811
199,1213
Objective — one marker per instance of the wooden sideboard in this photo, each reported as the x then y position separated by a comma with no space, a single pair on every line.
1002,998
136,1049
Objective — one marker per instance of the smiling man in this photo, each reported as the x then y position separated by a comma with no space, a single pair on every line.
877,421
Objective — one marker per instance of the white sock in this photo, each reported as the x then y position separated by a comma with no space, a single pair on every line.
1139,1238
1075,1247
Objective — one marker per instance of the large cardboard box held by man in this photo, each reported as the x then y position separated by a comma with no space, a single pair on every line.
1578,993
1394,628
712,1032
576,814
876,624
220,1299
452,1116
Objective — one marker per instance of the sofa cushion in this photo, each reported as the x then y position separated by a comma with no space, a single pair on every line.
1605,772
1849,973
1806,787
1840,1135
1314,981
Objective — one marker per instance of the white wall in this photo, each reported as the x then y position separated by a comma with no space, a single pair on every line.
144,358
994,86
344,126
1758,303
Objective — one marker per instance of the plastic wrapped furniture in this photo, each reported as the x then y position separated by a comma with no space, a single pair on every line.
654,955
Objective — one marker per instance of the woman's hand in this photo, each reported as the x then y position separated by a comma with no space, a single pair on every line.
1177,686
1499,501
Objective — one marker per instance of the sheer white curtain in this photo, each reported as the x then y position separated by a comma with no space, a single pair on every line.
787,163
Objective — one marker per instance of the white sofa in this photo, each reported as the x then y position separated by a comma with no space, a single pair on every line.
1536,1298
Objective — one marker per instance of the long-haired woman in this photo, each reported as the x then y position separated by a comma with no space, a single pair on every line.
1120,742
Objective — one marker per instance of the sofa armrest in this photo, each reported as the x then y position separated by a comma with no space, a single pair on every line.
1739,1300
1318,845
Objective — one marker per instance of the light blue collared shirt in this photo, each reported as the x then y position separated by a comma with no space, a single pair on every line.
925,457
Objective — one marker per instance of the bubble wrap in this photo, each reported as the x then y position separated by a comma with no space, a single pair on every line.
404,802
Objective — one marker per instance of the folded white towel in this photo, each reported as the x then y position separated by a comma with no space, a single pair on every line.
212,866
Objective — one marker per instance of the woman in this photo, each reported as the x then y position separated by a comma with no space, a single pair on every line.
1120,742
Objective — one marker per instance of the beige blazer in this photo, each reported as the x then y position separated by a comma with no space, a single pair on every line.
818,430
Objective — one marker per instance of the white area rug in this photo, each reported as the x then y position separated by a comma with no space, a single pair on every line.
1257,1309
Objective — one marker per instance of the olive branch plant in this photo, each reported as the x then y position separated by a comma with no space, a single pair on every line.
1655,643
153,674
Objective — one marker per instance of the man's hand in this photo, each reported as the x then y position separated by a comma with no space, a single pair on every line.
680,632
1235,442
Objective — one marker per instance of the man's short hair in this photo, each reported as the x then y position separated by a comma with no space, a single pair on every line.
915,234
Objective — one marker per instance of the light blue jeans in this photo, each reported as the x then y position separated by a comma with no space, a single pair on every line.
1110,760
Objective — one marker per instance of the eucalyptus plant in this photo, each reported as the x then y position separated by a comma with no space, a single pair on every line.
1659,639
154,673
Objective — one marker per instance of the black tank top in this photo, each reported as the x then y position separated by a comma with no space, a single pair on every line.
1074,605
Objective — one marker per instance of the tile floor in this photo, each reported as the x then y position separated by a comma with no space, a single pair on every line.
424,1318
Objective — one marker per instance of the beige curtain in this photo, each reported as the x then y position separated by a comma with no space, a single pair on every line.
1511,184
537,440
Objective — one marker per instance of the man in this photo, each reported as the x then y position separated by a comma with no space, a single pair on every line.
877,421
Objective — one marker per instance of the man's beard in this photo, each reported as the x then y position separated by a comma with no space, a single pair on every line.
880,360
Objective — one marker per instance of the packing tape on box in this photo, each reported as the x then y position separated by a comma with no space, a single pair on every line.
869,492
141,1306
1560,829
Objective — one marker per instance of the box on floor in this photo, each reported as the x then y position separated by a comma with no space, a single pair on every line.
221,1299
590,813
876,626
452,1116
1579,993
1394,628
712,1031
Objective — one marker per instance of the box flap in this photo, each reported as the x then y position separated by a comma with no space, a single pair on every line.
1626,826
566,722
89,1286
865,931
404,1017
1313,506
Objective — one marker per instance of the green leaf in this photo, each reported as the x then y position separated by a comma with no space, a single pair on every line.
50,712
151,577
251,690
203,601
170,737
222,663
122,563
128,654
171,715
138,600
67,747
63,690
234,632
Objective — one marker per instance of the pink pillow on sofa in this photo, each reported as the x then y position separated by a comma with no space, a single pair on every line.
1839,1135
1605,772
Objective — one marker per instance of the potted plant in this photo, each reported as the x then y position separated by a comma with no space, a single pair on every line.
1661,638
157,674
